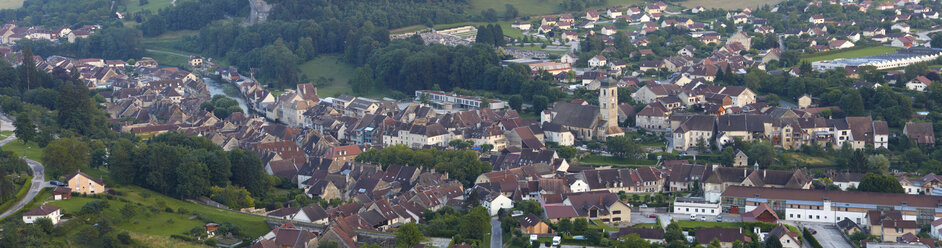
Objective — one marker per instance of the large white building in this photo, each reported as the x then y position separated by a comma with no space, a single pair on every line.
461,101
830,206
696,206
900,58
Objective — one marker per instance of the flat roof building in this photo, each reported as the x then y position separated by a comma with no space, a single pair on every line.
901,58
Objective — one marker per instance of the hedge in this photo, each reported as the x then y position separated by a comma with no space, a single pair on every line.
19,195
810,238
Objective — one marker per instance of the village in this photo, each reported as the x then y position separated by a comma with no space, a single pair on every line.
539,177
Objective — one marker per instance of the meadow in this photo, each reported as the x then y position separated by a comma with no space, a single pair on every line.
728,4
850,53
534,7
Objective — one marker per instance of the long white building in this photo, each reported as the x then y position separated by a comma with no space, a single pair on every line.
900,58
831,206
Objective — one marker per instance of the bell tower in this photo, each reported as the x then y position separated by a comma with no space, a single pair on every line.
608,102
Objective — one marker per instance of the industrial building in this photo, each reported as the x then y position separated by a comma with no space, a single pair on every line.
900,58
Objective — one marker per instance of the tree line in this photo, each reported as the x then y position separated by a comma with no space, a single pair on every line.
186,167
461,165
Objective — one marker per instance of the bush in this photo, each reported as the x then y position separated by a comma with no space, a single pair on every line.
125,238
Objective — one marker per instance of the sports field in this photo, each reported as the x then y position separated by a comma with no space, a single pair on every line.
869,51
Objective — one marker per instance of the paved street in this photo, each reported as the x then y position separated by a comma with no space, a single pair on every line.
39,173
496,235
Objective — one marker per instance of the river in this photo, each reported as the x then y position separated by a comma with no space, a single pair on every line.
216,88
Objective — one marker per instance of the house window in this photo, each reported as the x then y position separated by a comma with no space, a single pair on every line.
799,216
616,219
616,212
790,215
688,209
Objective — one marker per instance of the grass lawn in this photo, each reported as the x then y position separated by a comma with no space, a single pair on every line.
614,161
647,225
533,7
162,223
20,193
5,134
686,224
11,4
808,160
31,150
877,50
728,4
152,5
330,75
157,241
605,227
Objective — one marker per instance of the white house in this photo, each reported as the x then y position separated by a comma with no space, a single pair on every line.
613,13
578,185
608,30
311,214
522,25
919,83
52,213
568,58
696,206
901,26
840,44
936,225
597,61
496,202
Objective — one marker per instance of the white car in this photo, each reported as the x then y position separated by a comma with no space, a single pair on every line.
556,240
693,217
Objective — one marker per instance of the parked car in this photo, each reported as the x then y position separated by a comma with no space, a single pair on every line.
653,216
812,231
719,218
57,183
693,217
702,218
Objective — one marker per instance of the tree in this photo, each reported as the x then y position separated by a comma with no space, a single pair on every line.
408,235
936,41
515,102
564,226
622,146
510,12
763,153
487,147
631,241
580,226
65,156
540,103
772,242
878,164
247,171
25,129
674,233
873,182
566,152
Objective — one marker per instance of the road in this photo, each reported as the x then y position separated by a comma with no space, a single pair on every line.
924,35
39,174
496,235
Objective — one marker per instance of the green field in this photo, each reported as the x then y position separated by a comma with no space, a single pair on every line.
728,4
869,51
152,5
162,223
31,150
330,75
11,4
534,7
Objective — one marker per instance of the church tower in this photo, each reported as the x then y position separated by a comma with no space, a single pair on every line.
608,102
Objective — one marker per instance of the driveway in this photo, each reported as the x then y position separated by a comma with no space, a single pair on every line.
39,176
829,236
496,235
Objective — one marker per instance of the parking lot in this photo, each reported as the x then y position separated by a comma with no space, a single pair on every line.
829,236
